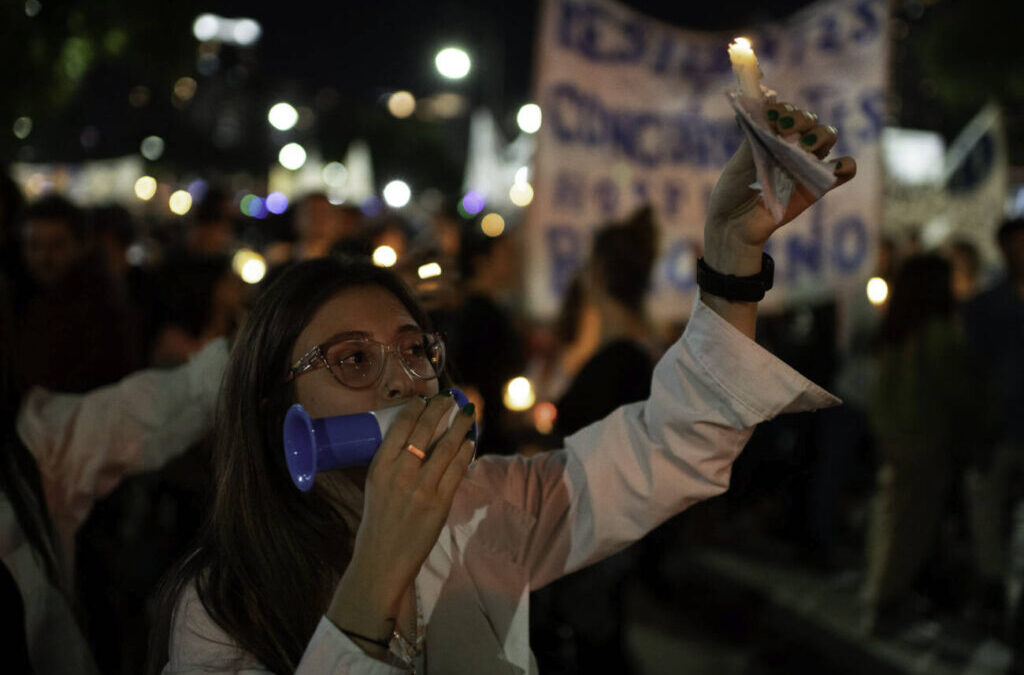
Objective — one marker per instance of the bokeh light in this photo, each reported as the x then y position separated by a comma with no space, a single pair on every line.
452,63
205,27
257,209
241,257
401,104
371,206
184,88
473,202
334,174
198,189
384,256
246,32
32,8
877,290
397,194
243,204
282,116
180,202
292,156
447,105
145,188
249,265
493,225
138,96
22,127
518,394
529,118
152,148
521,194
254,271
429,270
544,415
277,202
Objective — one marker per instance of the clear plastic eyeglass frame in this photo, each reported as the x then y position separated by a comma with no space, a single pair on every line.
316,358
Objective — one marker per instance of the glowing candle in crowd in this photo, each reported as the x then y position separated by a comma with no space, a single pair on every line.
744,65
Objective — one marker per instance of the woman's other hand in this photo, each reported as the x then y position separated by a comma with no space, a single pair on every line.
738,223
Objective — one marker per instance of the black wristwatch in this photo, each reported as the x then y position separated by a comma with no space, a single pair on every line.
737,289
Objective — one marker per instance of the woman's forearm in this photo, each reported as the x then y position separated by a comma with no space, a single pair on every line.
361,610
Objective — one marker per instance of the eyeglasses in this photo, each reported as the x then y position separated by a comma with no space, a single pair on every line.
358,363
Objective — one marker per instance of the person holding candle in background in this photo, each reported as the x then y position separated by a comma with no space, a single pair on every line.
421,561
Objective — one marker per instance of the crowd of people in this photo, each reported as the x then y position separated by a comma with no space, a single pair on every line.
928,447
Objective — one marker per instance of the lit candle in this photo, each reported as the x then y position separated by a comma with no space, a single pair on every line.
744,65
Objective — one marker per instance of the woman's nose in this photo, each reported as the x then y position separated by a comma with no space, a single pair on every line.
396,383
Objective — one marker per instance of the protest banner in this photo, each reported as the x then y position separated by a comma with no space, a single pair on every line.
635,112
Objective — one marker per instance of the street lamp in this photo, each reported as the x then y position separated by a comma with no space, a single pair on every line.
453,63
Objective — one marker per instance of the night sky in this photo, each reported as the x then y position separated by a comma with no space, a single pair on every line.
342,61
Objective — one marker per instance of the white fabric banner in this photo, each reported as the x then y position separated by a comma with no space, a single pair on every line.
635,112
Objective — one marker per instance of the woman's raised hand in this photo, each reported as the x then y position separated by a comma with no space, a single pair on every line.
407,501
738,224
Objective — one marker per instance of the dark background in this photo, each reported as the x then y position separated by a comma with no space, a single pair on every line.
73,65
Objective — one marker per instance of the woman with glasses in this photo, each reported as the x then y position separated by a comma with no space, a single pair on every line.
423,560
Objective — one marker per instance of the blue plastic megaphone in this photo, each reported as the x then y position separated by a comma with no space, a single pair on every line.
325,443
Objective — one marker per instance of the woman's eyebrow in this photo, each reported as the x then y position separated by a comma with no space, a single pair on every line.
348,335
408,328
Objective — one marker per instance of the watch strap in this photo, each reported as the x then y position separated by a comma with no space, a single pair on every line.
734,288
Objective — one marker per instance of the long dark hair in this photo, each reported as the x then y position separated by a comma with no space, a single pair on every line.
921,293
269,556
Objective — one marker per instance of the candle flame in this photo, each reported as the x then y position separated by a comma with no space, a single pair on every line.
742,43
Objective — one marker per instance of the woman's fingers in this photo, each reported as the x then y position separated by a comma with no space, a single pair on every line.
448,446
845,169
773,111
455,470
400,429
422,434
795,122
819,139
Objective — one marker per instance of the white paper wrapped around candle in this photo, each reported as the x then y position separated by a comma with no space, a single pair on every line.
744,65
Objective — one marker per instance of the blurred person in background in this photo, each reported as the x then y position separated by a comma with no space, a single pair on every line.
843,471
965,261
114,232
212,230
927,416
60,453
614,288
576,337
354,241
74,332
201,299
486,347
318,226
995,332
578,620
134,535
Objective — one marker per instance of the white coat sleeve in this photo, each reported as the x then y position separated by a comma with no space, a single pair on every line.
619,478
85,444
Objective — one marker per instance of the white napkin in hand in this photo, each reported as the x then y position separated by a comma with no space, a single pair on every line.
780,162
